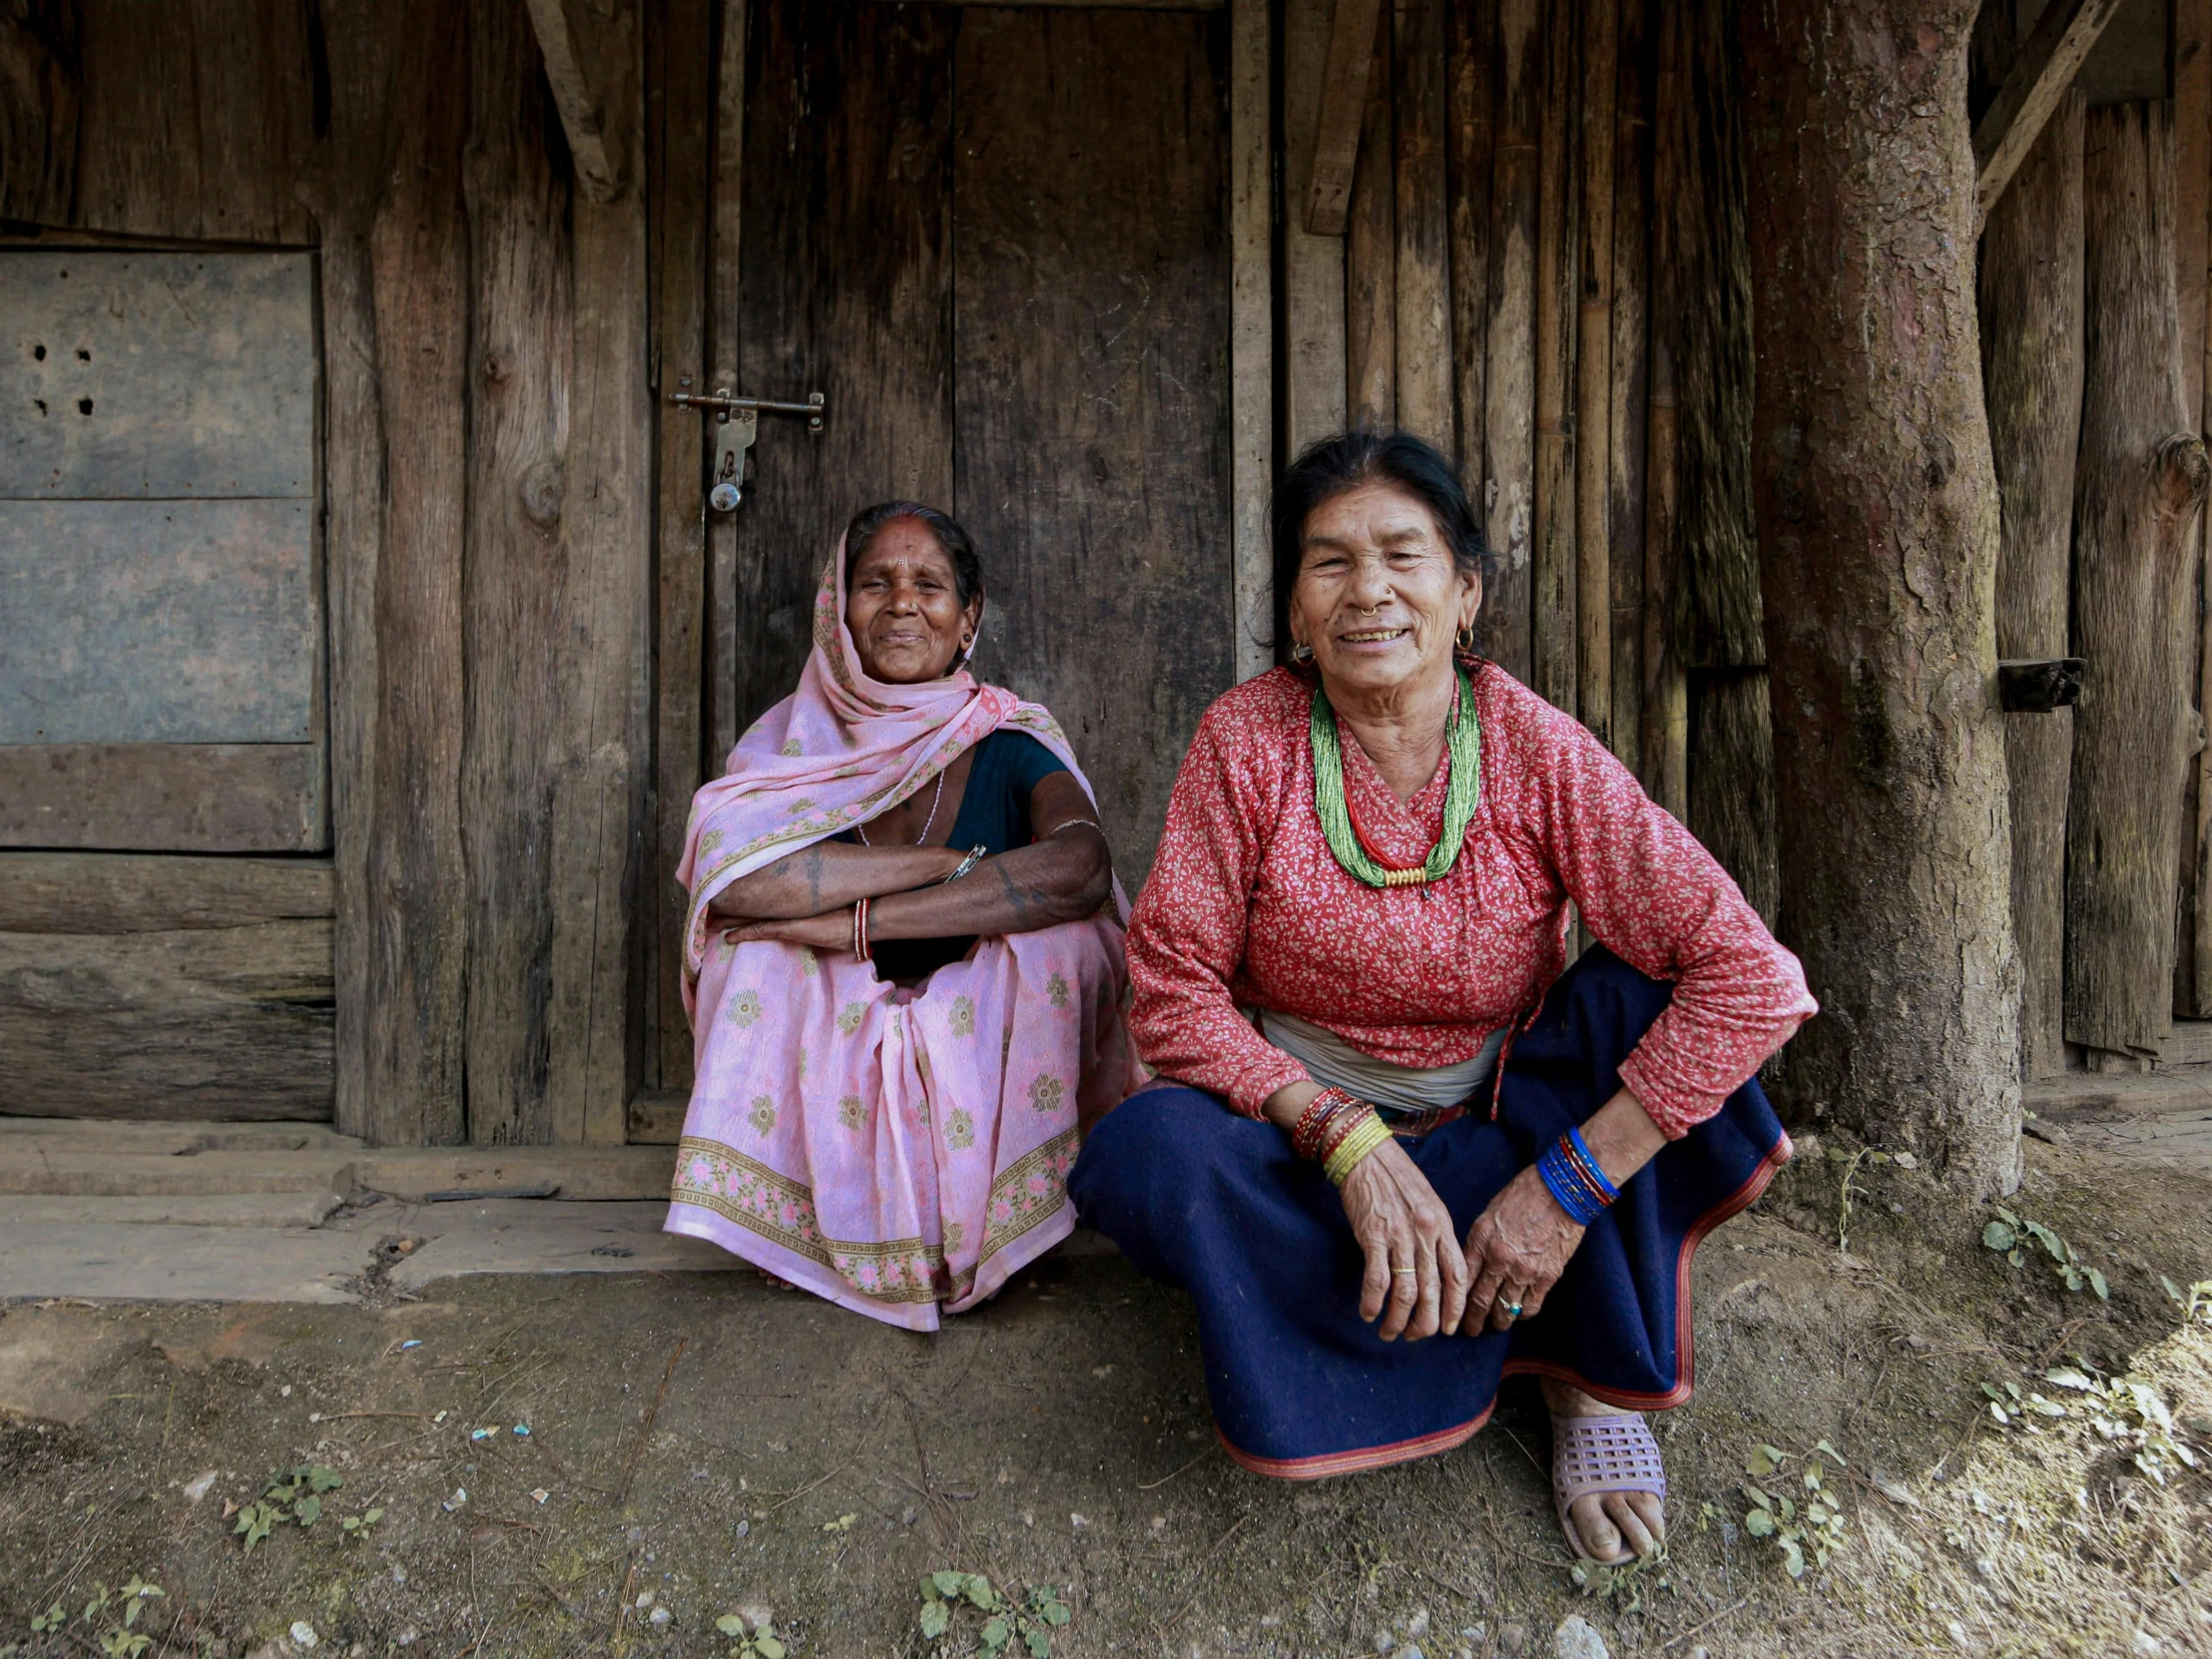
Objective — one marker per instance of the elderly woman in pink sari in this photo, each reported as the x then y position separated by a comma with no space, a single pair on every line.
902,956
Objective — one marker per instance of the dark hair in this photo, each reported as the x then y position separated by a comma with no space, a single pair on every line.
967,569
1346,460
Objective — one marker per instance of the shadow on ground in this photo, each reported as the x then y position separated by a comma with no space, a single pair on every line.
610,1465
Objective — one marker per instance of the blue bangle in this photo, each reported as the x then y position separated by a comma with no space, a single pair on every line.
1592,1168
1567,1186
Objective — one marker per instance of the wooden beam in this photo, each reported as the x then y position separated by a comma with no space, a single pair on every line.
1510,377
1251,335
2048,59
1343,99
581,116
1422,336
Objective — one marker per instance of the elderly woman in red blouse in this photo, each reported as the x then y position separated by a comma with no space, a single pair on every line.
1384,1113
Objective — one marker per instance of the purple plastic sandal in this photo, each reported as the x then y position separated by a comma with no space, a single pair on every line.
1591,1456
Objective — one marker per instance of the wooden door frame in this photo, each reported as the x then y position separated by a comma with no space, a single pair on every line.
698,123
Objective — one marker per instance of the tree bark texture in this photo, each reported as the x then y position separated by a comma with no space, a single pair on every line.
1877,540
2030,302
2137,487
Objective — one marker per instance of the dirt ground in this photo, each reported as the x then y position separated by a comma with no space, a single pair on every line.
702,1447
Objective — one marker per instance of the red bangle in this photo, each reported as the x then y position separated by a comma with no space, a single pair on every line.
859,931
1323,1122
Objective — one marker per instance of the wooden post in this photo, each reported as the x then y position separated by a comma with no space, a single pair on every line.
1345,88
350,171
1630,379
412,924
1371,265
600,817
1552,601
1313,265
1252,335
1471,64
1878,544
2139,482
1599,29
1510,388
516,576
2030,303
684,58
2045,66
1423,305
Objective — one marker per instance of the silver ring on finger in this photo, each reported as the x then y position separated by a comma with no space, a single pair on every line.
1512,1310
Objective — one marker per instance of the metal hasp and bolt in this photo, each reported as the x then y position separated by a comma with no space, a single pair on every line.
736,424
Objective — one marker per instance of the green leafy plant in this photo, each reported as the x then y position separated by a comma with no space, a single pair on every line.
121,1641
2195,1303
2011,1237
2128,1409
1032,1617
753,1641
295,1495
1812,1530
357,1527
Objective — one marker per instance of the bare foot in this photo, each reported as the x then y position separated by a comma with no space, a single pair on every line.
773,1281
1614,1527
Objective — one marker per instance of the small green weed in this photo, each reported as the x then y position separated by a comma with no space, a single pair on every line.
2195,1303
1033,1617
295,1496
754,1641
2010,1238
1815,1530
2128,1409
119,1641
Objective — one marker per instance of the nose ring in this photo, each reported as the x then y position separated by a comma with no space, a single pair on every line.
1371,610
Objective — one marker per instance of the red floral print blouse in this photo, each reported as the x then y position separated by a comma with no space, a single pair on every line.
1247,908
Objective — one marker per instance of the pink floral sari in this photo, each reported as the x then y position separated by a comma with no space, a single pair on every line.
890,1149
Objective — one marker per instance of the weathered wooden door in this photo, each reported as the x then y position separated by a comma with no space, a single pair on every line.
996,238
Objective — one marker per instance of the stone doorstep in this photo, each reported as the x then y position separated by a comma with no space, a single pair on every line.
2082,1095
86,1172
265,1210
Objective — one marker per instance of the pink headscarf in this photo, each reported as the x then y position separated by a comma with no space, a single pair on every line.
837,751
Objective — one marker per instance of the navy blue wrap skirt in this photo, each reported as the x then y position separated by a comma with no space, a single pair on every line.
1213,1202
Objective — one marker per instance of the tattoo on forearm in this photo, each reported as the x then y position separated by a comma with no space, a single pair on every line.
814,881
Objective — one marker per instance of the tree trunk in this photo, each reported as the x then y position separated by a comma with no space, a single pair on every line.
2141,476
2032,378
1877,539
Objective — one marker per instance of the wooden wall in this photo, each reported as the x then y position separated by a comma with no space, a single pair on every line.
487,478
1543,271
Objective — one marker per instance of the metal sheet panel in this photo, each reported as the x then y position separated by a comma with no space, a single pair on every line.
157,622
128,374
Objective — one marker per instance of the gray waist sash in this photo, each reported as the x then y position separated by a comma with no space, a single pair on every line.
1329,1059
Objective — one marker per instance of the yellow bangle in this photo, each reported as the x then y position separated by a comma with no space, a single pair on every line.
1359,1142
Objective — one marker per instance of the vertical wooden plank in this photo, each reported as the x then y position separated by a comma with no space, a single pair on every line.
725,288
1553,570
846,279
1509,455
684,102
2137,487
1471,48
1251,334
1630,376
1090,300
1663,739
341,185
2030,301
517,582
41,91
2192,87
599,819
1593,400
412,994
1313,267
1371,259
1423,302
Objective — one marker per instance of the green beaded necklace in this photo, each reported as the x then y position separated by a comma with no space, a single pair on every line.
1463,793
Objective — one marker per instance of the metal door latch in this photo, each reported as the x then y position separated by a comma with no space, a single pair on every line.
736,424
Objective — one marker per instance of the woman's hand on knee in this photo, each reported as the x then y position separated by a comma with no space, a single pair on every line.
1516,1251
1416,1276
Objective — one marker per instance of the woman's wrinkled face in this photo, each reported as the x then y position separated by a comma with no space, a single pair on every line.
902,605
1379,596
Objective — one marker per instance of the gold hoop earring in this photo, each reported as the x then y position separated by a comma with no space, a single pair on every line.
1464,639
1302,653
